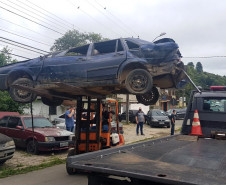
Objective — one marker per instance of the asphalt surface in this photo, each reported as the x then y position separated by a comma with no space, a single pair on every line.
55,175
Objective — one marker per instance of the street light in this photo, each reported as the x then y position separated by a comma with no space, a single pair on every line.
163,33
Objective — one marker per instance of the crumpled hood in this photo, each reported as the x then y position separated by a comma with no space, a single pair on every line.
52,131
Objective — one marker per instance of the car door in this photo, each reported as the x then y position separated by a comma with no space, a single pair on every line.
105,59
69,67
12,131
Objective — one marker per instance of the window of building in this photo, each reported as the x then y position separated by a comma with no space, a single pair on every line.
52,110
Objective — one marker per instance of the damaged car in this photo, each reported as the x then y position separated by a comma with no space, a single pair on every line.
119,66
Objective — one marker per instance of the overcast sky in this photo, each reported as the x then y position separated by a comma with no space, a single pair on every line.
198,26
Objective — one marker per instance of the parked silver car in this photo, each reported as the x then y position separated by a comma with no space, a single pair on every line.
7,148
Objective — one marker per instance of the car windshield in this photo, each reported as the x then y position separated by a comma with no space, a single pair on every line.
158,113
214,104
38,123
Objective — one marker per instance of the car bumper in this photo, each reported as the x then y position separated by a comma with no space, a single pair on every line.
6,154
57,145
160,124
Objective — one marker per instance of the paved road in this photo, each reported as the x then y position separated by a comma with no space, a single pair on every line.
55,175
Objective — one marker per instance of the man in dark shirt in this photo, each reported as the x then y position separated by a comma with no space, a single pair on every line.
140,121
172,119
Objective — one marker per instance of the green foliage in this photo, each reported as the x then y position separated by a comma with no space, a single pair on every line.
74,38
191,64
199,67
203,79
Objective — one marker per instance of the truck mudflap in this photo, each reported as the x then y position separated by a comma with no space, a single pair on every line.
169,160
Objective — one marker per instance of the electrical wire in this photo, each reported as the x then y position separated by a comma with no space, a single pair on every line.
46,36
91,17
24,44
29,15
28,10
16,55
24,37
31,20
117,18
207,57
58,18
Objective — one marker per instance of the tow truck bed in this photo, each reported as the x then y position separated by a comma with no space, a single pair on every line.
178,159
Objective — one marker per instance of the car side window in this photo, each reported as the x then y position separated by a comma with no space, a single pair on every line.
4,121
13,122
79,51
132,45
104,47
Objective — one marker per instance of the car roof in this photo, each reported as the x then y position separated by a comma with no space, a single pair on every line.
2,114
212,94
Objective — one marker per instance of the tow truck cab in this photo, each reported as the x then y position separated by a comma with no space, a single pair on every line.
211,106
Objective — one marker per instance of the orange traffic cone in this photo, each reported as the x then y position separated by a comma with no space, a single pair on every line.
196,127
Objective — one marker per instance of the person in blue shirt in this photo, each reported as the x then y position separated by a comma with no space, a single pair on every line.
69,118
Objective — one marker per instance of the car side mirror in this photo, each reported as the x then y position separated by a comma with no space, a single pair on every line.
19,127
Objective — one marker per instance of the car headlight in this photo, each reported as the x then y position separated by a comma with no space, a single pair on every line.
49,139
167,120
71,137
9,144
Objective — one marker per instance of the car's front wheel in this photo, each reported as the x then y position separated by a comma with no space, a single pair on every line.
70,171
52,102
32,147
19,95
149,98
139,81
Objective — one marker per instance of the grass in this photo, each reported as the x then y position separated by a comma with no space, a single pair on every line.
6,172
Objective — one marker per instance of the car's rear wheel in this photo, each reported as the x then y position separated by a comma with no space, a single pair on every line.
19,95
149,98
139,81
52,102
32,147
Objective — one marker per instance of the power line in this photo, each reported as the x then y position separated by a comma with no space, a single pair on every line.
78,7
28,14
26,28
55,23
23,44
31,20
16,55
207,57
24,37
58,18
117,18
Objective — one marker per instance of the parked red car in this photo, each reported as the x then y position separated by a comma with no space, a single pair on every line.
46,136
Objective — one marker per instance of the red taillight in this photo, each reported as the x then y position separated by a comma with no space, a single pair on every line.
218,88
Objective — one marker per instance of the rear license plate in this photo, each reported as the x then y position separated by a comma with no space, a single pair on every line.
63,144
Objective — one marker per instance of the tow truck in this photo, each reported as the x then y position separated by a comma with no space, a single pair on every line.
93,132
180,159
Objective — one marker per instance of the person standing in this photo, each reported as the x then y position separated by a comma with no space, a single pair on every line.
140,119
172,119
69,119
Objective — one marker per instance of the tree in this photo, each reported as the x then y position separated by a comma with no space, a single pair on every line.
74,38
6,102
199,67
191,64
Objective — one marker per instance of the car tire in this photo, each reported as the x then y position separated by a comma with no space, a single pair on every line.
52,102
149,98
139,81
22,96
32,147
70,171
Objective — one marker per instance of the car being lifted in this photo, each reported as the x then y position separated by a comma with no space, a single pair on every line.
120,66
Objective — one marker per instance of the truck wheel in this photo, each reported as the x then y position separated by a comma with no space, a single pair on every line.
19,95
139,81
32,147
70,171
52,102
149,98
